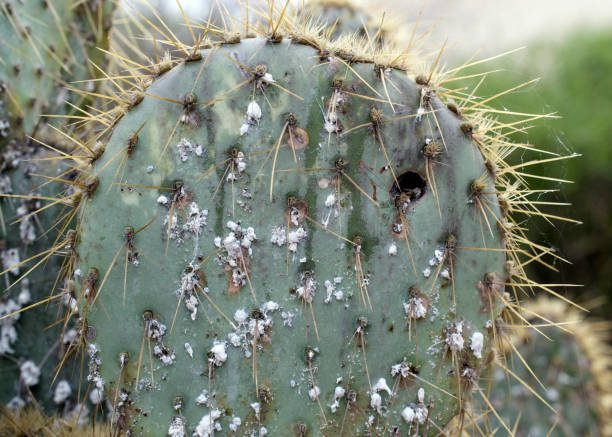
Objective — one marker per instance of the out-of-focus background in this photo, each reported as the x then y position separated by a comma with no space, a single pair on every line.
568,45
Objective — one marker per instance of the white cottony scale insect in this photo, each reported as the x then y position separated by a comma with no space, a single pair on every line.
476,344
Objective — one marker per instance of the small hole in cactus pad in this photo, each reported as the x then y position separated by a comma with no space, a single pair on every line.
410,183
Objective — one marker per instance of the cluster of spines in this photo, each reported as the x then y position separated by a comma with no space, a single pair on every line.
486,132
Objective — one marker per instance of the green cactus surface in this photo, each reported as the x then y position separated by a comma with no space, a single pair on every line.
44,46
275,240
346,16
32,344
569,367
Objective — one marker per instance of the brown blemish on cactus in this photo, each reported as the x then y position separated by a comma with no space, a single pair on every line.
300,430
88,332
98,150
182,197
397,228
297,137
452,107
422,80
190,115
296,212
90,283
504,205
128,237
134,100
492,167
133,140
490,287
467,129
90,186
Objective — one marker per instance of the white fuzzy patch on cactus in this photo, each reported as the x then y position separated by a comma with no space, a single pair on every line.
208,424
253,112
8,333
415,308
339,393
184,147
219,355
203,398
235,424
375,397
189,350
62,392
256,408
165,355
240,316
269,306
238,165
454,337
314,392
332,290
408,414
376,402
381,385
96,395
10,260
177,427
476,344
29,373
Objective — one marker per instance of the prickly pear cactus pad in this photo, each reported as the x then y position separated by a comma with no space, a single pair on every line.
292,233
45,45
273,245
32,344
570,369
344,16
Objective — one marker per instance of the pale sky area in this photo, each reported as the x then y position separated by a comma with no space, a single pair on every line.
490,26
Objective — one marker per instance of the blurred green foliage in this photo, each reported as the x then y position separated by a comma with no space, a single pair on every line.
576,83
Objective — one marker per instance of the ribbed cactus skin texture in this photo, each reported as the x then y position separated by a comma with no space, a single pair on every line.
46,45
290,360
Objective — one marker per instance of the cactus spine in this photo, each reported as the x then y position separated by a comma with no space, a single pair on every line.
45,45
274,275
571,370
288,232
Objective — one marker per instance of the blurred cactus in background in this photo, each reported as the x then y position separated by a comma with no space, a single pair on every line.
242,219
